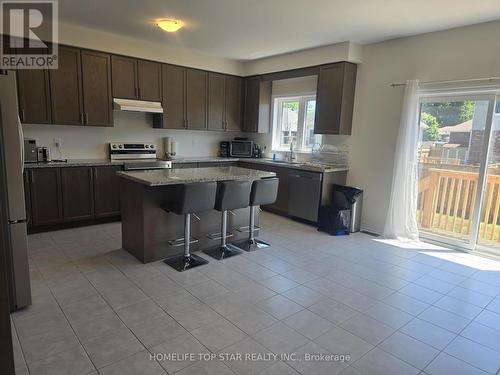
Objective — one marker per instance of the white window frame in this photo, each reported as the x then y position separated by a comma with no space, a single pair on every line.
277,109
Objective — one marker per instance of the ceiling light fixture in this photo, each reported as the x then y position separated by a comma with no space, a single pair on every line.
170,25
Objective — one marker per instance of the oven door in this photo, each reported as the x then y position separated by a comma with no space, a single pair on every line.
241,149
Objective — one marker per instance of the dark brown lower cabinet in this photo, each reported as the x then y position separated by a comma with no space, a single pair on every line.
184,165
46,202
281,204
106,194
77,193
71,194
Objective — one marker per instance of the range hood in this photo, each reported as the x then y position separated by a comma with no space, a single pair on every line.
137,105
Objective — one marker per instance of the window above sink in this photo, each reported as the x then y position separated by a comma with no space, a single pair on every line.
293,122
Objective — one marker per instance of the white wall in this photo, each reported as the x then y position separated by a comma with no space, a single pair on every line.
84,37
346,51
463,53
82,142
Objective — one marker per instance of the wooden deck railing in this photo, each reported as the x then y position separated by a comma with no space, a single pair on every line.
447,199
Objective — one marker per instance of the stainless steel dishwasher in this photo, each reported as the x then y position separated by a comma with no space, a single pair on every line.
305,194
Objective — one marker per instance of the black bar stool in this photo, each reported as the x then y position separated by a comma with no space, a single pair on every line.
191,199
263,192
230,196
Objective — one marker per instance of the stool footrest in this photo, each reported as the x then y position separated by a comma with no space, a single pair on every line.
180,241
246,229
218,235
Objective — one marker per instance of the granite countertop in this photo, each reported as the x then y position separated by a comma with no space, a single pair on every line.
305,166
160,177
100,162
72,163
204,159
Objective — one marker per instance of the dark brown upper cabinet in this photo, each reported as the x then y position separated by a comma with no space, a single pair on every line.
45,194
124,77
174,98
34,96
224,102
335,99
136,79
196,99
233,115
96,87
216,101
77,193
257,109
149,78
66,88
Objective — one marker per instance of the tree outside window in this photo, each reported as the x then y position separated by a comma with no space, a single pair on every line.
293,123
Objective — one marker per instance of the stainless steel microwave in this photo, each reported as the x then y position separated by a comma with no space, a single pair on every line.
241,148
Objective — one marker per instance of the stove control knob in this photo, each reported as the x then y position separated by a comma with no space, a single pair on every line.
120,146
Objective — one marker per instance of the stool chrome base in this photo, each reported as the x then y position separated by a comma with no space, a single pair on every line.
252,245
182,263
223,252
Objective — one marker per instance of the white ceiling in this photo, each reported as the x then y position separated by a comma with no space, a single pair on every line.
252,29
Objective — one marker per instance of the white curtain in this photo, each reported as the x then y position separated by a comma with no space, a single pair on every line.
401,222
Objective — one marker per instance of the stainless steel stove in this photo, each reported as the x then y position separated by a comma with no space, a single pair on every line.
137,156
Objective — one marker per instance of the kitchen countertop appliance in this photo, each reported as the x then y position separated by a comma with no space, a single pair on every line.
137,156
30,151
240,148
13,232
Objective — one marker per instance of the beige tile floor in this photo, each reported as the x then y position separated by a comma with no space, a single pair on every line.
393,308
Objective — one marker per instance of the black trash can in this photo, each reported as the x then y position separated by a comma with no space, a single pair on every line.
349,198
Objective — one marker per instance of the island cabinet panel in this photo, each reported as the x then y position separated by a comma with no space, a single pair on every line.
106,194
34,96
124,77
216,101
66,88
233,115
196,99
96,84
77,193
174,98
149,78
45,194
335,99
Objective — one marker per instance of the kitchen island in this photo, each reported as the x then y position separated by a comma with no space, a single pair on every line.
147,228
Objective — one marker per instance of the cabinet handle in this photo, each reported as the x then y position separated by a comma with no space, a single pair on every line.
185,124
82,120
86,118
138,92
136,89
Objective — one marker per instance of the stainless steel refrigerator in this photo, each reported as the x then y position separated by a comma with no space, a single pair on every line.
12,194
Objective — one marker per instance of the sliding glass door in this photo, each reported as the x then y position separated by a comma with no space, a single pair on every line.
459,195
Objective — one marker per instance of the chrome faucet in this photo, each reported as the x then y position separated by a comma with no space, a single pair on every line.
291,153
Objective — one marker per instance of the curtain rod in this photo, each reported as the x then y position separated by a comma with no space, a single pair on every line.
451,81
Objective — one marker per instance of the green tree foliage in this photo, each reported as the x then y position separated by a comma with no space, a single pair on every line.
432,131
450,113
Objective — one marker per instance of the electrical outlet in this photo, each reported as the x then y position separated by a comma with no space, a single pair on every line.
58,142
